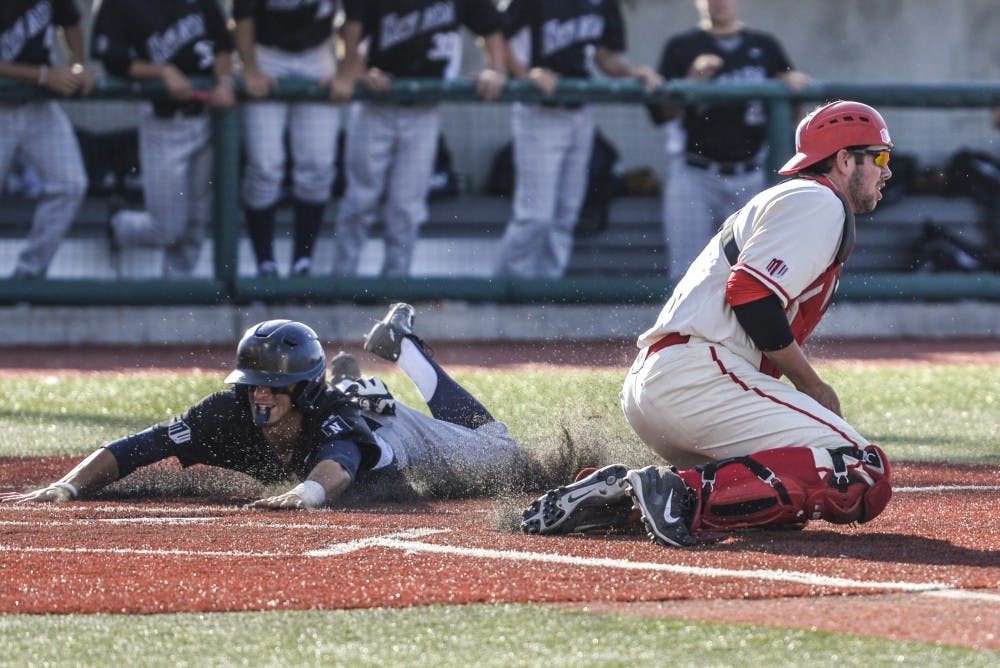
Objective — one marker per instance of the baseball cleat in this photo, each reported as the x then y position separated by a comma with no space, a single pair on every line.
115,204
665,502
302,266
344,365
386,338
267,269
597,501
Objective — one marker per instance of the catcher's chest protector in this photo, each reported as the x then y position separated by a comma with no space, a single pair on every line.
784,488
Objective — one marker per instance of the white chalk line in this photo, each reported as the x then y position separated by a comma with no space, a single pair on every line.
179,521
129,551
947,488
404,541
927,588
202,553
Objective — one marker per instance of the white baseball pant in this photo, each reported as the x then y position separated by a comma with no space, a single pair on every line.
389,153
441,448
552,148
175,155
312,133
698,402
695,204
45,138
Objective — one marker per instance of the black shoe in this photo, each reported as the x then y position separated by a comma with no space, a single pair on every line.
115,204
267,269
344,365
598,501
385,339
666,505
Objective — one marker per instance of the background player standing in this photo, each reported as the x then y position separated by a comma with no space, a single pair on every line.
282,419
39,130
705,392
169,41
281,39
721,166
552,141
390,148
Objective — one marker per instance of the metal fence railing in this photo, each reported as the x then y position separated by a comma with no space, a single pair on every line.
226,285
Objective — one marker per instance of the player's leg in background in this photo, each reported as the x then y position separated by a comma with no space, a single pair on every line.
50,145
367,154
409,180
181,259
264,126
312,138
687,218
731,193
165,149
13,121
193,188
570,192
540,144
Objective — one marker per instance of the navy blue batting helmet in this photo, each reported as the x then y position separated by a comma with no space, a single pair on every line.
282,353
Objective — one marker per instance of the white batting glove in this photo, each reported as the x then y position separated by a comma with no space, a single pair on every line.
369,394
308,494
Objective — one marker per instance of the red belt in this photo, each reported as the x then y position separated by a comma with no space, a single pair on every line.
671,339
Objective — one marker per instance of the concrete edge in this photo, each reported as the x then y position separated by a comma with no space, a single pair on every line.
455,321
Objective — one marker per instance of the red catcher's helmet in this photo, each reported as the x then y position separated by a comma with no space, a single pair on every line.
832,127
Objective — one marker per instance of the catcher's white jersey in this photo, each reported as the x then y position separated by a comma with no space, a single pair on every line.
715,395
788,237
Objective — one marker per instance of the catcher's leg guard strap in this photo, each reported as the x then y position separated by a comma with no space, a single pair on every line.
786,487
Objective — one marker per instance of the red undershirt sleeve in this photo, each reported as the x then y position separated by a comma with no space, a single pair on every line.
742,288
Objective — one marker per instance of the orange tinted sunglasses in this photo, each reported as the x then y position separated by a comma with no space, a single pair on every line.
880,156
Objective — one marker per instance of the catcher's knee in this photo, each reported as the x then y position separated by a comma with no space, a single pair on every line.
865,495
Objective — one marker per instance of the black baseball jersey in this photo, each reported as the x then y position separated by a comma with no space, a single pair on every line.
185,33
27,28
419,38
219,431
727,132
563,31
289,25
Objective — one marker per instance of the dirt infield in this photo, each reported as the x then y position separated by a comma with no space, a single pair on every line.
178,555
933,556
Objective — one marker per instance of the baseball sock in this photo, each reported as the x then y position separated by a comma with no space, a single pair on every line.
446,399
308,218
260,227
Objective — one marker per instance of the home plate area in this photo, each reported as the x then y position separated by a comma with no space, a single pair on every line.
932,543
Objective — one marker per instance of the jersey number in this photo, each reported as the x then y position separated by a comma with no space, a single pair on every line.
447,46
206,54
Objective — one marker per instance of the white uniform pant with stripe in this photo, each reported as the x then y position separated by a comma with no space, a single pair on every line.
176,159
41,133
312,133
388,162
552,149
698,402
